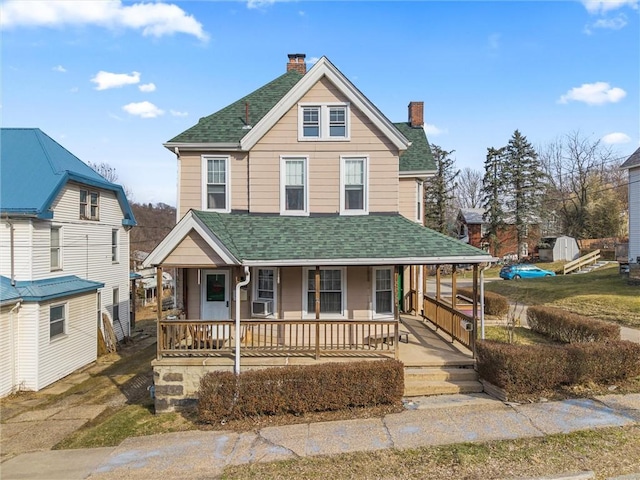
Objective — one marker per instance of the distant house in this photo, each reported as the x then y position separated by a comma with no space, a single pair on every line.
64,260
472,229
633,166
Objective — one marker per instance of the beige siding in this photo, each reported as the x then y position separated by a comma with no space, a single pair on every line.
408,198
193,297
191,175
324,160
193,251
76,348
359,293
291,293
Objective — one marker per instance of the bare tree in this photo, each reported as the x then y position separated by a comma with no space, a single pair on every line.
110,175
469,188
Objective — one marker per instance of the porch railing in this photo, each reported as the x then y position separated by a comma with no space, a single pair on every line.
450,320
277,337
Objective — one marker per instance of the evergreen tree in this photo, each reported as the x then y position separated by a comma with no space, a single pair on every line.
439,191
523,178
493,187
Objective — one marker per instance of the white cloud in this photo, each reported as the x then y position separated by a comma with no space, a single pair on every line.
259,3
494,41
143,109
106,80
597,93
176,113
596,7
153,19
430,129
616,137
616,23
59,68
147,87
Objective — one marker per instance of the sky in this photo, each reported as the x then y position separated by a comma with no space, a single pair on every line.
113,80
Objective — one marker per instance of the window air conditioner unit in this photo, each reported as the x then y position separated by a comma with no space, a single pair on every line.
262,307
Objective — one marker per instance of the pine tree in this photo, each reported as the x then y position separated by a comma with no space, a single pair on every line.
523,176
439,191
493,186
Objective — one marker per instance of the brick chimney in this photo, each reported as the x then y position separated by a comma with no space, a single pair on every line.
416,114
297,63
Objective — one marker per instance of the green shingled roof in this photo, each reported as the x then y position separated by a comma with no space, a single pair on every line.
226,125
273,238
418,157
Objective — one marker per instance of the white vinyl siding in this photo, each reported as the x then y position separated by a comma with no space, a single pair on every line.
216,191
294,186
634,213
354,186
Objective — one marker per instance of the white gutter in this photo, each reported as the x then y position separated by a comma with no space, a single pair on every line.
239,285
368,261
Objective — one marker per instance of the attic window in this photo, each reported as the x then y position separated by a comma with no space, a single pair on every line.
323,122
89,208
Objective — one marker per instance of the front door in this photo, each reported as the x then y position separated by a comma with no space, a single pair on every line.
215,295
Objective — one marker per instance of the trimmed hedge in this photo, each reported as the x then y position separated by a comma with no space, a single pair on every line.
299,389
494,303
568,327
529,369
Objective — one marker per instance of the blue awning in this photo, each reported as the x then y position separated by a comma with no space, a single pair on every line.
48,288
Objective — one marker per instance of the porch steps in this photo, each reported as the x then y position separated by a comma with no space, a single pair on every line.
421,381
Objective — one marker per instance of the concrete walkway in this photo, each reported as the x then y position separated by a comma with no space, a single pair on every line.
425,421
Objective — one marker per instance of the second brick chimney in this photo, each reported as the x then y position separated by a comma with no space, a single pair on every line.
297,63
416,114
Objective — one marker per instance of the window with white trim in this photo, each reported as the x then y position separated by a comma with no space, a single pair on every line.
354,185
116,303
89,208
323,122
383,291
265,284
114,246
56,248
419,200
332,291
57,316
294,192
216,184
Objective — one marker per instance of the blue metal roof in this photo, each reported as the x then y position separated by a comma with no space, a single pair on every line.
35,168
46,289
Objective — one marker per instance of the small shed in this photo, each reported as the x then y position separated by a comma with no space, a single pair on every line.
563,248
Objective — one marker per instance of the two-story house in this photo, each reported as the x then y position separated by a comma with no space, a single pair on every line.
301,210
632,165
64,260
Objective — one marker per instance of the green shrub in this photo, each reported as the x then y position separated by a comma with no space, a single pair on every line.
299,389
568,327
494,303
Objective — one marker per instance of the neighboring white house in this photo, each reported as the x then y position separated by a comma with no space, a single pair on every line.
64,260
633,166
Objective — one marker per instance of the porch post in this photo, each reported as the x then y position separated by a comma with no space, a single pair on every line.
160,338
438,278
424,289
317,284
454,286
474,333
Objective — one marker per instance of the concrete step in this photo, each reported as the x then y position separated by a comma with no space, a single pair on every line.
421,381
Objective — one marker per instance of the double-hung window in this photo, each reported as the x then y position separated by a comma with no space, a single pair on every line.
323,122
56,248
57,314
114,246
216,183
419,200
383,291
353,189
332,291
265,286
89,208
116,303
294,191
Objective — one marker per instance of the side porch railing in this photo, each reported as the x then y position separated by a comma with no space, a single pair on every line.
455,323
315,338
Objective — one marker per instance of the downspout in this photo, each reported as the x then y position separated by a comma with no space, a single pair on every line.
239,285
14,366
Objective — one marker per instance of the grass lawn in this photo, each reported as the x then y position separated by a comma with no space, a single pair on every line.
597,450
603,294
521,335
